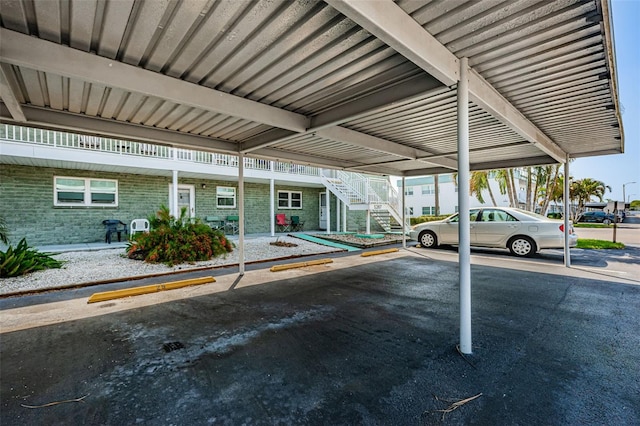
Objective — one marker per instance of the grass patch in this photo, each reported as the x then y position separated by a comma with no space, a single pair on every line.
598,244
591,225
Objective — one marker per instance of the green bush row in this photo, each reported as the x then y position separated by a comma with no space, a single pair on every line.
421,219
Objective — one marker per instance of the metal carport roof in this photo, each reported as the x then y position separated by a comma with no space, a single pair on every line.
370,86
363,85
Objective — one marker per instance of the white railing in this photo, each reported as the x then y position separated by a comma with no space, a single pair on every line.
371,190
129,148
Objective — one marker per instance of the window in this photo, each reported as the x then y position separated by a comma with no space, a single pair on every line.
289,199
225,197
473,215
409,190
86,192
410,211
491,215
428,189
428,211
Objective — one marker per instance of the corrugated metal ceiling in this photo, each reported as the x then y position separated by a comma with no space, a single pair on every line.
314,86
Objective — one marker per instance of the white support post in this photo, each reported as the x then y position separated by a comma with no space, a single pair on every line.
328,202
272,209
241,212
174,195
404,214
368,222
338,214
565,201
464,225
344,218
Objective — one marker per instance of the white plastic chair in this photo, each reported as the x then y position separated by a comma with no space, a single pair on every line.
139,225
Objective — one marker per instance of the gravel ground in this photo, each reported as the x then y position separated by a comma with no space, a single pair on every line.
89,266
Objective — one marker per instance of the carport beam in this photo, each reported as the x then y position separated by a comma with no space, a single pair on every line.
565,202
464,230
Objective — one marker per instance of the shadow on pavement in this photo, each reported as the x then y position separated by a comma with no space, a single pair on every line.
371,344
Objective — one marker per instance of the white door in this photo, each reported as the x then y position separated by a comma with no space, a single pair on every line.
186,198
323,211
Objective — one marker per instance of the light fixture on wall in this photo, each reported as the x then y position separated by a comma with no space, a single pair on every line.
204,186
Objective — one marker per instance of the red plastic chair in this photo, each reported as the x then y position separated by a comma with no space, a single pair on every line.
283,224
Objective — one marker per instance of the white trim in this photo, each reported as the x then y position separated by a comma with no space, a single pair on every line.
289,200
235,197
86,202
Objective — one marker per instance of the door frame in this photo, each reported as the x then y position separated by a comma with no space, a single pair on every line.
192,197
323,199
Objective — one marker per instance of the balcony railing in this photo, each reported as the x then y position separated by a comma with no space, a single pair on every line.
139,149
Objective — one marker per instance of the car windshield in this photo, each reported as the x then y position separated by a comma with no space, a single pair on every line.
473,215
531,214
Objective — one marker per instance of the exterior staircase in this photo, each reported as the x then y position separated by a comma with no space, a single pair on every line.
361,192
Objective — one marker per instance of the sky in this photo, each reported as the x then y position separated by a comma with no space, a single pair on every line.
616,170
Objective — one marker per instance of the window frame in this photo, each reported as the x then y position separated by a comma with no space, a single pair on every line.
431,211
428,189
87,192
289,199
220,196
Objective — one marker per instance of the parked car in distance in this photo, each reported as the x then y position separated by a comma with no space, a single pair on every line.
596,217
523,233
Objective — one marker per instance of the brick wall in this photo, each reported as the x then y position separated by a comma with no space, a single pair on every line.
26,203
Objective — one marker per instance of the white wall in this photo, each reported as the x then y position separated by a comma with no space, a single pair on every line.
449,197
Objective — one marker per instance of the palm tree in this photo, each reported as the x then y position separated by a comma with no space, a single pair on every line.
478,182
550,184
505,182
583,190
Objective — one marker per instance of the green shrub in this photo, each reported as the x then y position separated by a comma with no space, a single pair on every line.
22,259
177,240
421,219
4,233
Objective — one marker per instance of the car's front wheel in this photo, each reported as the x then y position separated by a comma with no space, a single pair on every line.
606,221
522,246
428,239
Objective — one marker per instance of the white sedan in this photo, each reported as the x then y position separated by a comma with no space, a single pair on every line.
523,233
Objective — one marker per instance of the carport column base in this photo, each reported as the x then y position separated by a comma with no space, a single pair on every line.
464,229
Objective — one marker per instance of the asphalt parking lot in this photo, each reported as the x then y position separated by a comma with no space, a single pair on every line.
352,342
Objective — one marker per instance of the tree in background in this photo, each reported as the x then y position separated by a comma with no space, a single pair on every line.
549,181
505,178
478,182
582,190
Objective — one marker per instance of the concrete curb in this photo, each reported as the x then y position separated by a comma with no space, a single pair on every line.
278,268
137,291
